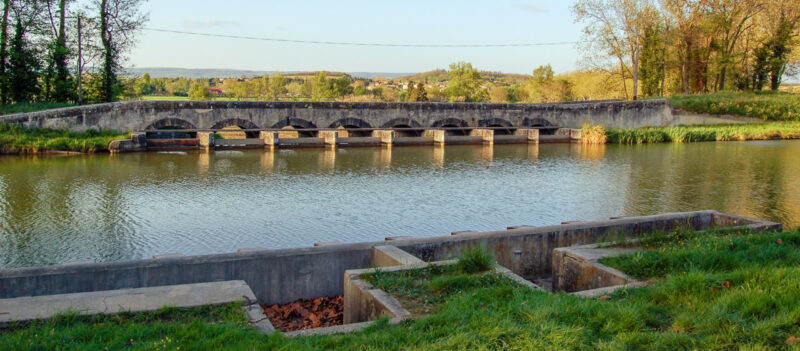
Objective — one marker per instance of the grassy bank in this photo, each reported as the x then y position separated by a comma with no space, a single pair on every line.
770,106
30,107
15,139
712,291
757,131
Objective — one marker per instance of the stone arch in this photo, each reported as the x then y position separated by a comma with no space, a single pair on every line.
404,123
352,123
497,122
540,122
494,122
241,123
295,123
536,122
452,123
236,122
170,122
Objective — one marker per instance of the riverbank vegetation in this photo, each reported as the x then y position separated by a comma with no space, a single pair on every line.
755,131
15,140
770,106
710,290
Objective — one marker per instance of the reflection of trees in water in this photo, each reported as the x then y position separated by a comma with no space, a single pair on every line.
745,179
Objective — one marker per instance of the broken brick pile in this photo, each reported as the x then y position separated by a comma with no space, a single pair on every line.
306,314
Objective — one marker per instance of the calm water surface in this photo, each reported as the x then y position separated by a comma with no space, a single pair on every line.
109,208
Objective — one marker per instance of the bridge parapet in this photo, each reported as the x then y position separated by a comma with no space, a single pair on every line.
141,115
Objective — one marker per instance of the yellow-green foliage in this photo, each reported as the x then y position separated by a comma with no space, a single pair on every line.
593,134
756,131
15,139
769,106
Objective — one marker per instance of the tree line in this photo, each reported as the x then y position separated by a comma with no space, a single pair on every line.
667,47
47,47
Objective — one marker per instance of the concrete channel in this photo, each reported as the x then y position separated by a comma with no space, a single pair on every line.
523,253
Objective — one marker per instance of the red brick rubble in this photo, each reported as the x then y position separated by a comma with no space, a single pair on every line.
306,314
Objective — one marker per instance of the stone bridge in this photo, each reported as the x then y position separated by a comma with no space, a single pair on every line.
144,115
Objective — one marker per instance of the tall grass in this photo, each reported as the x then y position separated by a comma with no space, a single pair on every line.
683,134
15,139
769,106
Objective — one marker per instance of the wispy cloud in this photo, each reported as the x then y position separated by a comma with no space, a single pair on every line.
206,23
531,6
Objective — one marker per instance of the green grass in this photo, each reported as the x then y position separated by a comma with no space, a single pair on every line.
30,107
15,139
712,291
680,134
770,106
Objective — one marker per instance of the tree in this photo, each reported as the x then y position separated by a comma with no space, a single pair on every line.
464,83
144,85
417,93
617,28
276,86
653,62
199,91
23,67
63,87
119,20
4,52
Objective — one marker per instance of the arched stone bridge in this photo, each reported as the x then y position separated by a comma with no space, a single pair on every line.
143,115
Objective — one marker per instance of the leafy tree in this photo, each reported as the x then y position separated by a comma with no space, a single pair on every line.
118,20
23,67
276,87
464,83
63,87
4,52
653,62
199,91
418,93
144,85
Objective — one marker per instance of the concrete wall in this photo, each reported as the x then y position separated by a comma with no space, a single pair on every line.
139,115
281,276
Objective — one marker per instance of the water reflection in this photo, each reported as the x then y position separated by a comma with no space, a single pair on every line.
106,208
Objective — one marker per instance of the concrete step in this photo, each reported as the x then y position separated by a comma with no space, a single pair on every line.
30,308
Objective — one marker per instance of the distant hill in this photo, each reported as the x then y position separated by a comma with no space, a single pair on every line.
172,72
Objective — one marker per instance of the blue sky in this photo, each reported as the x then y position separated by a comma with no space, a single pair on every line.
426,22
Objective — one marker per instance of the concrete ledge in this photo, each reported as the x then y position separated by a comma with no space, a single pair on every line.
607,290
23,309
388,256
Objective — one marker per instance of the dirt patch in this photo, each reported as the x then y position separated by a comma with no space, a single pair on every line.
306,314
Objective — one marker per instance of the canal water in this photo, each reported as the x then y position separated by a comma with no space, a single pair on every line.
109,208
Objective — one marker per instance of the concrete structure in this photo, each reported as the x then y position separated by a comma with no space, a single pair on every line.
23,309
144,115
578,268
281,276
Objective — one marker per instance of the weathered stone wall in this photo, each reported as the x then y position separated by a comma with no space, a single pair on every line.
140,115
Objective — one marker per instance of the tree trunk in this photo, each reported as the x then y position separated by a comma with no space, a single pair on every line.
107,94
62,84
722,75
4,53
635,62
